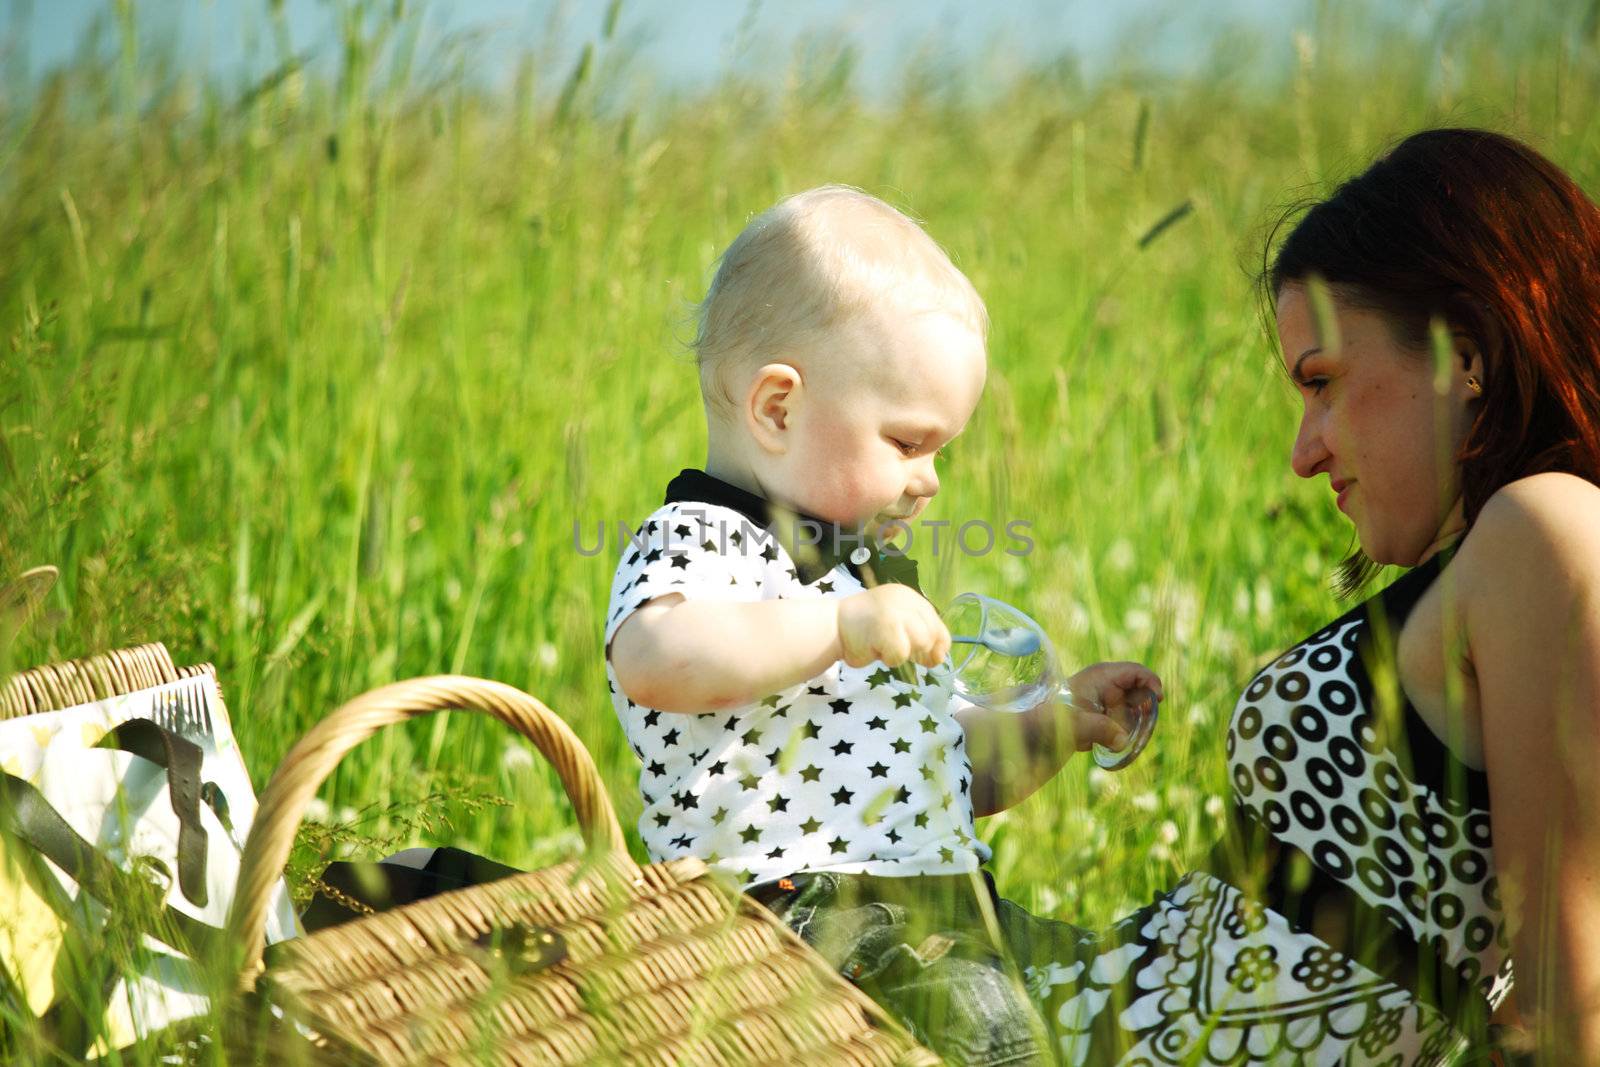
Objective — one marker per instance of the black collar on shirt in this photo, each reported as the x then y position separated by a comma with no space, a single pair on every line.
833,546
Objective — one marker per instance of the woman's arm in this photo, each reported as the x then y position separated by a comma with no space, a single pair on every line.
1529,583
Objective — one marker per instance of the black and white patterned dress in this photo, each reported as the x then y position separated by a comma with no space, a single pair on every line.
1352,914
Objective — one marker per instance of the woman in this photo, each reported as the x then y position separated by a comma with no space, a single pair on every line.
1416,784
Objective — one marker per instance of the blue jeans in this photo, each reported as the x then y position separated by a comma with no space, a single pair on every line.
922,948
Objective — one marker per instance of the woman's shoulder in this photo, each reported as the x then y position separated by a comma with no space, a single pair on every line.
1553,513
1536,541
1538,492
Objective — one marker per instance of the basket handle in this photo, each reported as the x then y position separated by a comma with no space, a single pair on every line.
315,755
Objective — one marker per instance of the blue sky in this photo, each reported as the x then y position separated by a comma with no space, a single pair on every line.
685,43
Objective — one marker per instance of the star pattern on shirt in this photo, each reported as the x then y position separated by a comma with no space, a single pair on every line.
780,784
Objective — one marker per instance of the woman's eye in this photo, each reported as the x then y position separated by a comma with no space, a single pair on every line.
1316,385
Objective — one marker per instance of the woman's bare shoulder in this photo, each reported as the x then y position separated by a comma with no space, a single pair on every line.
1536,540
1547,510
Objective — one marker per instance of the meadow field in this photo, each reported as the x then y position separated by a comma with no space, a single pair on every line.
313,378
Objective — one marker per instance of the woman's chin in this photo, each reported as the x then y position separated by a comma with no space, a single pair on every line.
1387,552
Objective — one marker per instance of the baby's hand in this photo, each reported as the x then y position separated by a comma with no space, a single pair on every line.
1119,688
891,623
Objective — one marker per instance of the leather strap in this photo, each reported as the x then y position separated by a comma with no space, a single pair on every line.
181,759
28,816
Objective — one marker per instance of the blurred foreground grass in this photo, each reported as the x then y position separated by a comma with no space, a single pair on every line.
314,379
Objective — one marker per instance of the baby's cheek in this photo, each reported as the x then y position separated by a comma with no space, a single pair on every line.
837,498
835,486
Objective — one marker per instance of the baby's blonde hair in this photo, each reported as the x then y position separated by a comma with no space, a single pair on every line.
809,262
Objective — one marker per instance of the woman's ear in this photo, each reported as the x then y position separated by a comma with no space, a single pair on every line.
1470,366
1477,345
770,405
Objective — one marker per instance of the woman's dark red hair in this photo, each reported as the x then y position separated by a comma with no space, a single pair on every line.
1481,231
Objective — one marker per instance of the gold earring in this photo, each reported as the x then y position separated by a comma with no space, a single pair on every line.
1475,385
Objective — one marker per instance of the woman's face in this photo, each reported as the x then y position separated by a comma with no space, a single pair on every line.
1374,423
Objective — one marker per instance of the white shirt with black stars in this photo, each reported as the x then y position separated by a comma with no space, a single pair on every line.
853,770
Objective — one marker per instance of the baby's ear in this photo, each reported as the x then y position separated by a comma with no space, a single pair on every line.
770,404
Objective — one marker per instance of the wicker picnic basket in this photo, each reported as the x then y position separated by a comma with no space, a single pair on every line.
63,685
659,964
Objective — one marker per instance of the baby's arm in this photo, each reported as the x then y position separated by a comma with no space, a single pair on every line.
1014,754
697,656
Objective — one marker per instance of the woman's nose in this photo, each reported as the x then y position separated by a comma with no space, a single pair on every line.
1309,452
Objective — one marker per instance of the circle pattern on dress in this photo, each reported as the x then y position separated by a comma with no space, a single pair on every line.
1309,758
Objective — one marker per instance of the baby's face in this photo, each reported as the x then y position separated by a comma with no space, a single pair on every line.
884,392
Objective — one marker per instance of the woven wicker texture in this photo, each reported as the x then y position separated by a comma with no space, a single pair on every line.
80,681
664,964
662,967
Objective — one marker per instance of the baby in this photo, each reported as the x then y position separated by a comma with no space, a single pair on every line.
766,652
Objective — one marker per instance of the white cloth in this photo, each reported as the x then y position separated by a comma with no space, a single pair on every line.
853,770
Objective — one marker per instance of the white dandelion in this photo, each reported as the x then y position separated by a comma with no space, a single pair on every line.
516,758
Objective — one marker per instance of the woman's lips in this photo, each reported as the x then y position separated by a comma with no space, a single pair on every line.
1344,495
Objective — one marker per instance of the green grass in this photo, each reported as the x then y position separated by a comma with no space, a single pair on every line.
312,381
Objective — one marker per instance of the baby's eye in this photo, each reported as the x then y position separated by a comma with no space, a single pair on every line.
905,447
